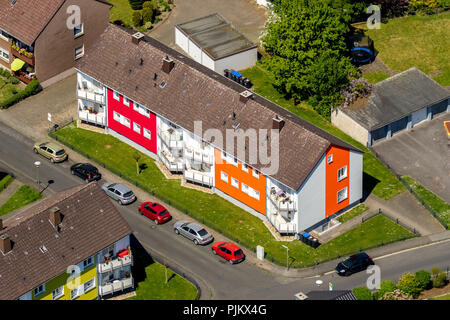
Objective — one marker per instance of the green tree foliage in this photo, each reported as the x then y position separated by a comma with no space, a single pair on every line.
424,279
136,18
385,287
362,293
136,4
409,284
301,36
438,277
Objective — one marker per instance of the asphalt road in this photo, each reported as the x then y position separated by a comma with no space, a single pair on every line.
222,280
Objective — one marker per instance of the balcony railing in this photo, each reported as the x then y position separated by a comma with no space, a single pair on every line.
91,96
282,201
115,264
23,77
198,156
172,139
171,163
116,286
29,60
91,117
203,178
280,224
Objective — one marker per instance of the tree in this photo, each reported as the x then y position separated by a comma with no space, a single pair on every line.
297,34
424,279
409,284
136,4
438,277
148,11
137,157
136,18
362,293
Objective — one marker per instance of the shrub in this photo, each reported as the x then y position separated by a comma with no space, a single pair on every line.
32,88
13,80
362,293
438,277
147,15
409,284
386,286
424,279
136,4
149,4
136,18
397,295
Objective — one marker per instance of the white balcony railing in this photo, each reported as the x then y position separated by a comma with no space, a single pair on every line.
116,286
280,224
91,95
91,117
171,163
172,139
197,155
203,178
115,264
282,202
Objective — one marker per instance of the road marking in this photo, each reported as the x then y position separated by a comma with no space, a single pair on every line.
411,249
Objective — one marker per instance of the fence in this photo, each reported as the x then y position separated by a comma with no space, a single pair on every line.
411,190
60,125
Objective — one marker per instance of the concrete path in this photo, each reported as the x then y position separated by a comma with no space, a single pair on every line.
9,191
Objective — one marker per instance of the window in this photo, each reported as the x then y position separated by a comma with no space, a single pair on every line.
147,133
74,293
125,121
342,195
255,194
58,293
255,173
78,31
89,285
224,155
4,35
116,95
116,116
136,106
224,176
4,54
126,101
245,167
79,52
88,262
235,162
245,188
136,127
144,111
342,173
330,158
38,290
234,182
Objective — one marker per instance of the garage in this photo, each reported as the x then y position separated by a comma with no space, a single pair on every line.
379,134
439,108
399,125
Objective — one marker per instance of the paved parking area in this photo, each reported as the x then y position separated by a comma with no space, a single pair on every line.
422,153
245,15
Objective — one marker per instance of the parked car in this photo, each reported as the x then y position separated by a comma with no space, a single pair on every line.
193,231
85,171
51,151
229,251
355,263
119,192
155,212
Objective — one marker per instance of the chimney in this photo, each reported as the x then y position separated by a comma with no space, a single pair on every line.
277,123
137,37
5,244
244,96
55,216
168,64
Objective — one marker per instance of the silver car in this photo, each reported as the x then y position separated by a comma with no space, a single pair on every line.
119,192
193,232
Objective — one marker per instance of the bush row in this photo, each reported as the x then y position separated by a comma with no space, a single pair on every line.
31,89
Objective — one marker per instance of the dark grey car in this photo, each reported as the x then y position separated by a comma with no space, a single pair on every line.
193,232
119,192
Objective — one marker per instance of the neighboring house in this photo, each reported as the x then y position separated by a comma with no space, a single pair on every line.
150,96
396,104
216,44
70,234
36,42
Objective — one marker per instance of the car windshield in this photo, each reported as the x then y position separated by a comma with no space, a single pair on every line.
202,232
128,194
162,213
348,263
60,152
237,252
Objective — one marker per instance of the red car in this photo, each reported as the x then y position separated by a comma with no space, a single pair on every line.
155,212
229,251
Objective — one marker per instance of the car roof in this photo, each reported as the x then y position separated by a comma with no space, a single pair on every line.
157,207
231,246
360,255
122,188
53,146
88,166
195,226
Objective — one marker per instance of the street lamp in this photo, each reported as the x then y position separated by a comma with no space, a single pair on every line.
37,164
287,256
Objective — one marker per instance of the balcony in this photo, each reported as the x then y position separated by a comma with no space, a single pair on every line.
172,138
201,177
91,95
24,77
116,286
171,163
92,117
115,264
27,57
282,201
197,155
281,224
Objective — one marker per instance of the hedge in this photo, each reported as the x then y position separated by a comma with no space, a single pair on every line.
362,293
31,89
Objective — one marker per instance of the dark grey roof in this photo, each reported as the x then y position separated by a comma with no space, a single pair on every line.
331,295
396,97
216,36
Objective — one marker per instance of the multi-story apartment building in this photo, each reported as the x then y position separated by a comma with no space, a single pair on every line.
152,97
73,245
38,38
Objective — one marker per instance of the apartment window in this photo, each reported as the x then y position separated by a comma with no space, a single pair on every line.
255,194
4,35
4,54
58,293
126,101
342,195
88,262
136,127
234,182
116,116
330,158
79,52
224,176
78,31
125,121
255,173
116,96
39,290
234,162
224,155
74,293
89,285
136,106
245,188
245,167
342,173
147,133
144,111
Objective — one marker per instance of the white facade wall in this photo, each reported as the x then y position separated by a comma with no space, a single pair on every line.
349,126
356,176
181,40
419,116
311,197
238,61
207,61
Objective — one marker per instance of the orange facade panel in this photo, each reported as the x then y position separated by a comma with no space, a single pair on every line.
240,183
337,173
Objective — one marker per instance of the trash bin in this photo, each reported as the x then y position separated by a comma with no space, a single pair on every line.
305,237
227,73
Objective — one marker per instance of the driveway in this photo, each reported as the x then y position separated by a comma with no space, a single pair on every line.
422,153
245,15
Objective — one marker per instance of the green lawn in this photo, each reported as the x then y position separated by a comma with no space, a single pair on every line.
23,196
121,11
441,207
420,41
7,90
220,214
376,173
375,76
356,211
5,181
445,297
